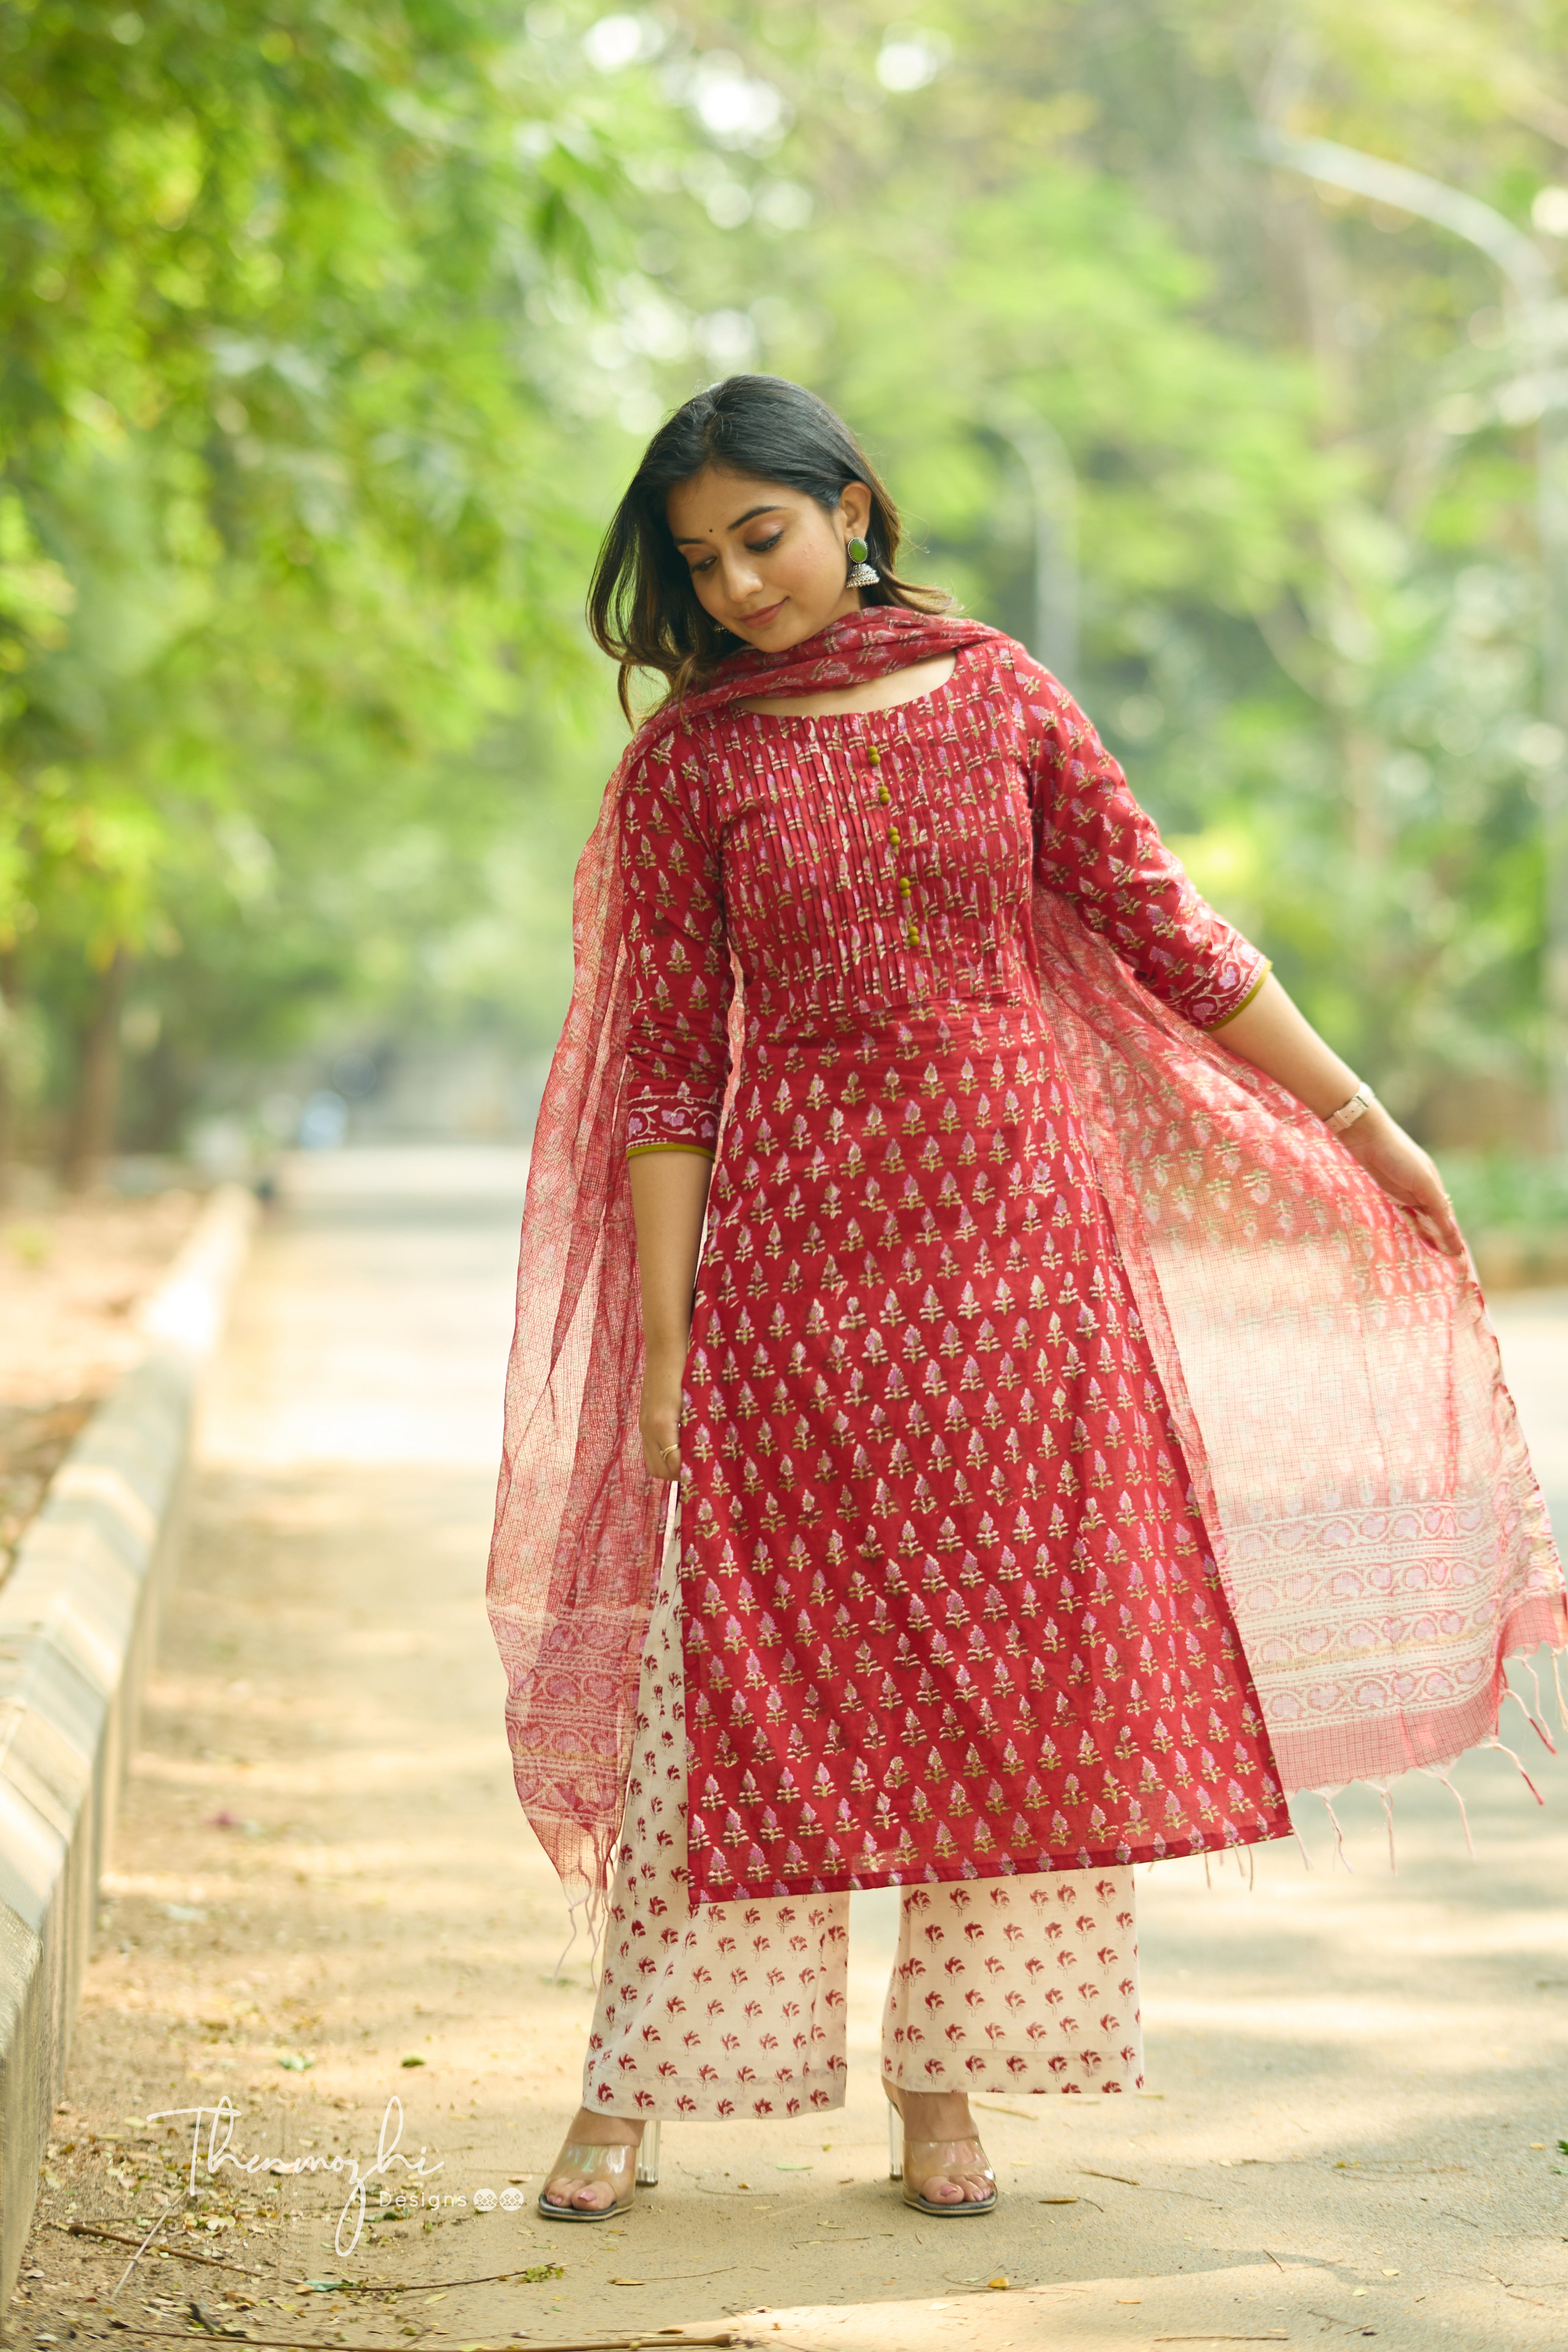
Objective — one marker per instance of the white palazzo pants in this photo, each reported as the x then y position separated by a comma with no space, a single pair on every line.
999,1984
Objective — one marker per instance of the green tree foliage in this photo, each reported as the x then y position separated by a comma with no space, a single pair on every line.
288,497
331,333
1303,428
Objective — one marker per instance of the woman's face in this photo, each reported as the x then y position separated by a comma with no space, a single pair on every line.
767,563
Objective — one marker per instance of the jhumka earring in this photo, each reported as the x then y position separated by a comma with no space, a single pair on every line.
862,573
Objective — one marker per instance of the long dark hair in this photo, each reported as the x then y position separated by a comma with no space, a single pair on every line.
642,605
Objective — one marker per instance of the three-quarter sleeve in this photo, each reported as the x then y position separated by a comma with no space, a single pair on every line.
673,922
1096,846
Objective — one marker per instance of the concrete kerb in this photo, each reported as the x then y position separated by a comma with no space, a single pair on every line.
77,1629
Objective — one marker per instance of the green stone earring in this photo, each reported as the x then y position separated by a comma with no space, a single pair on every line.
862,575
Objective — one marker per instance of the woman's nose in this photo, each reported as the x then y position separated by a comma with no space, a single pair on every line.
742,579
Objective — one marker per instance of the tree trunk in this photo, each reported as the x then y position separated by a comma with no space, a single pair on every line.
91,1135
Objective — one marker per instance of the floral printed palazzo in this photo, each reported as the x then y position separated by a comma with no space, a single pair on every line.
949,1611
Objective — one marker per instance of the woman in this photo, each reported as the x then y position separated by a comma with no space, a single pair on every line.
995,1216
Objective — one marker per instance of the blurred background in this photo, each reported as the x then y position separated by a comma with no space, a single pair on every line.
331,333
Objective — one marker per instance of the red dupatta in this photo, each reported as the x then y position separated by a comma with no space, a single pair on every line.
1332,1377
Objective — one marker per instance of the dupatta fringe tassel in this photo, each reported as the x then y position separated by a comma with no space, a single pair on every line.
1519,1767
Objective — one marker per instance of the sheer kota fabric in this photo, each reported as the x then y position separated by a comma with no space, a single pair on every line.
1337,1387
1331,1379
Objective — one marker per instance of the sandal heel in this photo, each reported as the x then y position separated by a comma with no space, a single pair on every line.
648,2157
895,2145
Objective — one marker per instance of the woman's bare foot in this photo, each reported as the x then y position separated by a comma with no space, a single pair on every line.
945,2115
567,2187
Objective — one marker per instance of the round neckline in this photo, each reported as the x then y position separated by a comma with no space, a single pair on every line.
888,710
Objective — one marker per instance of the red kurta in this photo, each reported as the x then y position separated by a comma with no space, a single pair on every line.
950,1609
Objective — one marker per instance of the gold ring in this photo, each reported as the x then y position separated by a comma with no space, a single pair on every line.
673,1448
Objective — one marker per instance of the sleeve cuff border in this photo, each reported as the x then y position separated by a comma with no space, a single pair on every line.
1226,1018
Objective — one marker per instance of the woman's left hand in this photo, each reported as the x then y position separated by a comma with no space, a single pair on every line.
1406,1174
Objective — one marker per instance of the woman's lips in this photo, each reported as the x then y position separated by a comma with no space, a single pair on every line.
768,614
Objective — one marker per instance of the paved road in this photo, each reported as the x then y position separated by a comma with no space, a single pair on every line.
323,1897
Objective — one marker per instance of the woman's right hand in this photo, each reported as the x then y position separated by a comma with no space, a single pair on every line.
670,1200
659,1419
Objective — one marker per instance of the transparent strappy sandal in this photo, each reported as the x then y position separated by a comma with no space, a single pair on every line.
915,2161
625,2169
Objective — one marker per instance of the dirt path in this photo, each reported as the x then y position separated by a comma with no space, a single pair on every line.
324,1899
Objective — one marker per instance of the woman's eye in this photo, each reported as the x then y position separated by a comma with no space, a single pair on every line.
706,566
762,546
